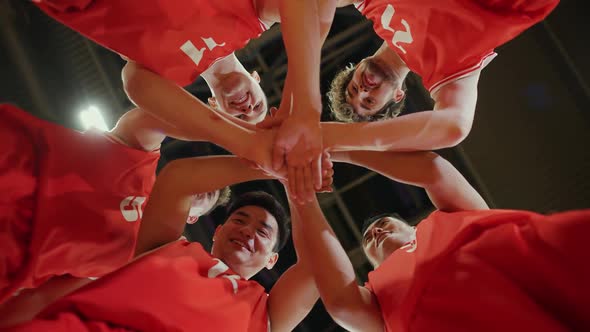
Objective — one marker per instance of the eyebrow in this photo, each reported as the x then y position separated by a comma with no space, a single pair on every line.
266,225
243,214
262,222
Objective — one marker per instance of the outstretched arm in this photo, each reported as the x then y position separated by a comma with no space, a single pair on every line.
447,188
30,302
351,306
165,215
304,26
295,293
190,118
445,126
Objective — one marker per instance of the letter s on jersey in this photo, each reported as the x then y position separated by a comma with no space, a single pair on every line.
131,208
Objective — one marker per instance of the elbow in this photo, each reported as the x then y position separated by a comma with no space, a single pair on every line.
133,81
335,310
337,307
456,131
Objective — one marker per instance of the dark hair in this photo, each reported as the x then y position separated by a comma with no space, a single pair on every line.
270,204
344,112
369,221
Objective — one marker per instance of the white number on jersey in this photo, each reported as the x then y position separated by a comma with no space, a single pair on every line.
399,36
197,54
220,268
131,208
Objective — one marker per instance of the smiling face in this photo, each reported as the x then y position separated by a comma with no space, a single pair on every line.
373,85
241,96
385,236
246,240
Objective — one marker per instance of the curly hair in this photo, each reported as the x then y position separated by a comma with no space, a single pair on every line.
223,199
344,112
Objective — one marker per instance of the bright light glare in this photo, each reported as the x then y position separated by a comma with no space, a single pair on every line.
91,117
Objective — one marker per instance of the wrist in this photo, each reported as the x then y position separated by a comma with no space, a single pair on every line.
332,135
244,144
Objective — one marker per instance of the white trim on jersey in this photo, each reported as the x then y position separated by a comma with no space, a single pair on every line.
118,140
464,73
360,5
265,26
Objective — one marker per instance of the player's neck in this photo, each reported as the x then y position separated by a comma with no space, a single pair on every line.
241,269
215,73
387,56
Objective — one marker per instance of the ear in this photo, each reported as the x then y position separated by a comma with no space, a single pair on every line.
398,95
255,76
217,229
212,102
272,260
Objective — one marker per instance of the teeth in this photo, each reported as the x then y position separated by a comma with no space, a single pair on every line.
241,100
241,244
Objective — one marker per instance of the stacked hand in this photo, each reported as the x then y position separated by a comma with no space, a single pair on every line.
298,147
260,157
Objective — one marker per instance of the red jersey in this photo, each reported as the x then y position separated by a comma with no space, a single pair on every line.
443,41
179,287
85,201
489,270
175,39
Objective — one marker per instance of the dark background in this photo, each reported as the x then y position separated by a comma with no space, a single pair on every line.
528,148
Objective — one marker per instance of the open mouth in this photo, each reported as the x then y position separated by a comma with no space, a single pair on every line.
240,101
369,80
241,244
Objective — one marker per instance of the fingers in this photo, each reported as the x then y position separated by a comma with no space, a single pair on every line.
326,160
278,157
249,163
327,180
316,172
269,122
300,184
291,179
309,188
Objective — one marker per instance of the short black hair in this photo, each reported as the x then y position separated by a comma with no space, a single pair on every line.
369,221
270,204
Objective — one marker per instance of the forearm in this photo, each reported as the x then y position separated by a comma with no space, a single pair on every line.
326,9
292,298
295,293
189,176
30,302
428,130
444,184
167,209
300,27
192,119
328,261
237,121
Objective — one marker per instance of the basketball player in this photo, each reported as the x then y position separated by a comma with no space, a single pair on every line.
463,268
